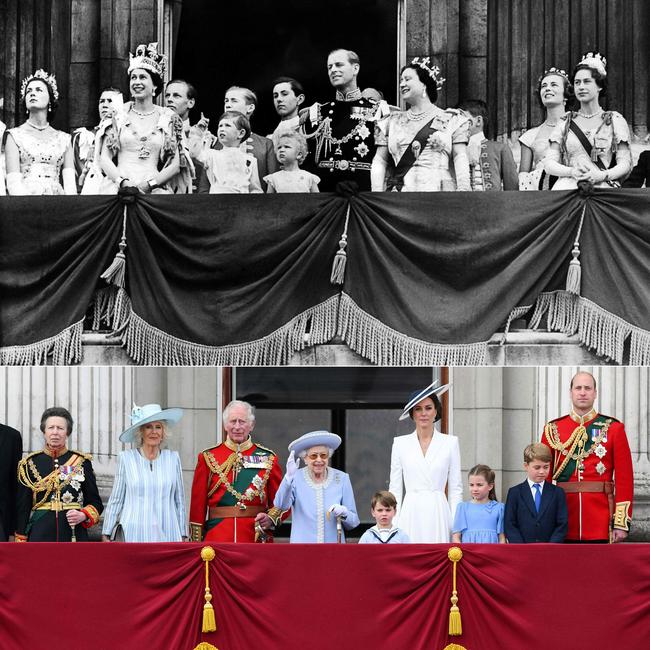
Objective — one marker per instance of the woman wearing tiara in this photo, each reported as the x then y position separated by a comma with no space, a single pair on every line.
37,155
592,144
146,138
416,147
553,91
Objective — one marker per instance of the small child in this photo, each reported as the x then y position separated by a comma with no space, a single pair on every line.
383,508
290,150
536,509
492,165
480,520
229,170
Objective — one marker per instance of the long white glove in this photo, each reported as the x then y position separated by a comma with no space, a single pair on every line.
338,510
69,181
292,466
15,185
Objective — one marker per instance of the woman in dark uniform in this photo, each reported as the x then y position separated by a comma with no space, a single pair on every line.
57,491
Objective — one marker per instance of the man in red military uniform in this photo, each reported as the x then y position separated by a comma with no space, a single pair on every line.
234,484
592,463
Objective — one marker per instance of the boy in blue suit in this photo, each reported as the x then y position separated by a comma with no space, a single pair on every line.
536,509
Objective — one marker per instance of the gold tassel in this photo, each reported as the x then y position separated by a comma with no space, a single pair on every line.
204,645
455,623
451,646
209,622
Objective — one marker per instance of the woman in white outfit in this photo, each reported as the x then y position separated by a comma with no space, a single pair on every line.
422,464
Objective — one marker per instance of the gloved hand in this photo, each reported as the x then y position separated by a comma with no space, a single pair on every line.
338,510
292,465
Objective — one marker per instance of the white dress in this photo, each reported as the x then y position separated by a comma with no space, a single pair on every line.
418,483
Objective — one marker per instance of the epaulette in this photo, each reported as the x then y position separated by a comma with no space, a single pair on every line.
608,417
81,454
208,449
257,444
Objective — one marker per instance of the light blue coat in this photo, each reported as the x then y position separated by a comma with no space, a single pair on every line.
148,498
310,502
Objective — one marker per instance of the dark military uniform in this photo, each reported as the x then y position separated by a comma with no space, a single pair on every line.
48,487
341,137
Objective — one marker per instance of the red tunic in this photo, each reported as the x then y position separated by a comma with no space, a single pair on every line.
602,454
226,477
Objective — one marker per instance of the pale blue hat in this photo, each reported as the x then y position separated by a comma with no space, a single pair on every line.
149,413
314,439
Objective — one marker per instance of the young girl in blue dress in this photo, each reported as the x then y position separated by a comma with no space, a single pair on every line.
480,520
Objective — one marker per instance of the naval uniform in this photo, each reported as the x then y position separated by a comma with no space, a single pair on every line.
341,138
49,486
232,485
591,461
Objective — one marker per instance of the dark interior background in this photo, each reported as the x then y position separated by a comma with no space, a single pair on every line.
252,42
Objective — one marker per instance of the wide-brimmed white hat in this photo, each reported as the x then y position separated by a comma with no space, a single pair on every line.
314,439
149,413
432,390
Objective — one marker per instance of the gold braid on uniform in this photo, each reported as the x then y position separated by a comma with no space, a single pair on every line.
622,516
233,461
52,482
578,439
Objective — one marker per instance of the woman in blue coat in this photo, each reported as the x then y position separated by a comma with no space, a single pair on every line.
319,496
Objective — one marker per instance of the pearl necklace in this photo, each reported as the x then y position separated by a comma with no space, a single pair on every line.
588,116
141,114
418,116
551,124
38,128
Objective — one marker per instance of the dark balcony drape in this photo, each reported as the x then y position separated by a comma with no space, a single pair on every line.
427,279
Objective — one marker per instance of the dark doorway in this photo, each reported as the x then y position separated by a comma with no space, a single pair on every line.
252,42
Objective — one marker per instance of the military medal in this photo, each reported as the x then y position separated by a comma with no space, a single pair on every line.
600,468
600,451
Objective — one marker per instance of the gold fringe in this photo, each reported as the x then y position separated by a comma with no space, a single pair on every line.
64,348
209,622
455,624
451,646
603,332
385,346
148,345
204,645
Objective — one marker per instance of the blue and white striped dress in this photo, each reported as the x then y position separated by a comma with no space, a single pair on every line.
148,498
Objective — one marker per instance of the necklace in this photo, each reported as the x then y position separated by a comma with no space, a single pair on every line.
551,124
588,116
418,116
141,114
38,128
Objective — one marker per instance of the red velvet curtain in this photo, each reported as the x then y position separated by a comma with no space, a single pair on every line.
285,597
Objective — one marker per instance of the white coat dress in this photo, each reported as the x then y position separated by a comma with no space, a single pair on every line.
418,483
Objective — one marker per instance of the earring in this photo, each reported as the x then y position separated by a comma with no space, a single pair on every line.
49,108
424,92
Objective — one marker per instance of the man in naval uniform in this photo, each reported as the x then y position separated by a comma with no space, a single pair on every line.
341,133
234,484
592,463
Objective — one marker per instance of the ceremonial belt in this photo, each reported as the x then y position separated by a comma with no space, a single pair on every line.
573,487
587,486
396,179
57,507
344,165
222,512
